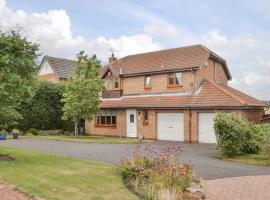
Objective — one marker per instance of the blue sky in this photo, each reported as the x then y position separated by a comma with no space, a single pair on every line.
239,31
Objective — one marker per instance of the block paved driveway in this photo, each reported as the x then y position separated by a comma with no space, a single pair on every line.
201,156
238,188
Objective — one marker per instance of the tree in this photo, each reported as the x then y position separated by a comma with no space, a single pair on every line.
18,58
81,98
44,109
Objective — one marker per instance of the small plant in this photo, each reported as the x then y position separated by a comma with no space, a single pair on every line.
61,131
33,131
151,173
15,131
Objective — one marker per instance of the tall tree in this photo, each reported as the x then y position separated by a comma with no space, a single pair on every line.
18,58
81,98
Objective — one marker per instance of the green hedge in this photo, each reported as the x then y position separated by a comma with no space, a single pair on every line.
236,136
44,109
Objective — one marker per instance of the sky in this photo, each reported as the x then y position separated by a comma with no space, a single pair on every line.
237,30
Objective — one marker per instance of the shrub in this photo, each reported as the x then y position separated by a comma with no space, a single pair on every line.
235,135
264,137
44,110
15,131
149,173
33,131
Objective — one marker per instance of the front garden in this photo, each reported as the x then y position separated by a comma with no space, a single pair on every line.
48,176
242,141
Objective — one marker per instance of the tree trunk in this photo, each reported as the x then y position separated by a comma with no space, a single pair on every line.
76,121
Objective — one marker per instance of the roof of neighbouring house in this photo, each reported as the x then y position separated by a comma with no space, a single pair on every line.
62,67
209,94
183,58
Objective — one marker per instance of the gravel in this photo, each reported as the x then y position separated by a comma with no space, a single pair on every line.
8,192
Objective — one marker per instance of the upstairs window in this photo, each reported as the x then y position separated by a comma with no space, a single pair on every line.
106,117
112,84
175,79
147,82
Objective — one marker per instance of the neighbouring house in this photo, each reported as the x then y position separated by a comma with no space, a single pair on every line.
170,94
55,69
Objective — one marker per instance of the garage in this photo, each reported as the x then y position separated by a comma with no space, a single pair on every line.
170,126
206,133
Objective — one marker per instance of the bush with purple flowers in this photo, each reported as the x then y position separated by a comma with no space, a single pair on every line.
153,173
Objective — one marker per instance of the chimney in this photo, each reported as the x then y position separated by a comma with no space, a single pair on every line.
112,58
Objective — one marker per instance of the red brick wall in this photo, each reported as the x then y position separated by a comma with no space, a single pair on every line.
212,71
135,85
253,115
119,130
150,131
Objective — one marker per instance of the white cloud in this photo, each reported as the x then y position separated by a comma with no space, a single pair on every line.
263,62
163,30
246,54
53,31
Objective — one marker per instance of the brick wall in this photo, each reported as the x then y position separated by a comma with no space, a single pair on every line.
253,115
212,71
120,130
135,85
148,131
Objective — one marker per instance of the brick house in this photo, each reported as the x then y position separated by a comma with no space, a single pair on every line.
169,95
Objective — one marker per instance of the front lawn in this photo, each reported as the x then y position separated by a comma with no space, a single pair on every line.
56,177
93,139
256,159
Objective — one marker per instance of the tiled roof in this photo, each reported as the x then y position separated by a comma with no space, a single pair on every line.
165,60
62,67
148,101
209,94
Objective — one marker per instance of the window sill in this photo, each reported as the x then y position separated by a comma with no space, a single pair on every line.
106,126
175,86
147,88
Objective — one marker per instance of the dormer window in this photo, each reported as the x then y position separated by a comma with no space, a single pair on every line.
175,79
147,82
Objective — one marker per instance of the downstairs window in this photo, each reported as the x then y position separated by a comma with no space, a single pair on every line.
106,117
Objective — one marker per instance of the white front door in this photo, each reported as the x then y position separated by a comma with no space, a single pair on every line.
131,123
206,128
170,126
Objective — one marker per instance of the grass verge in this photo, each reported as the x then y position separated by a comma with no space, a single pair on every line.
255,159
56,177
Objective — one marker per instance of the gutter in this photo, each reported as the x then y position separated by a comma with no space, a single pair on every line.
159,72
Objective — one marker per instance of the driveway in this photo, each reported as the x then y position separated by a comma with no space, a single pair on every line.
201,156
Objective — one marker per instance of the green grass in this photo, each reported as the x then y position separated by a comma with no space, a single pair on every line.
93,139
255,159
56,177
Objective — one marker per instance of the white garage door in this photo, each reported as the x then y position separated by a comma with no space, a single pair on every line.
206,128
170,126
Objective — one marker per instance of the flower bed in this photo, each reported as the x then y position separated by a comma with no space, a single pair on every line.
157,174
